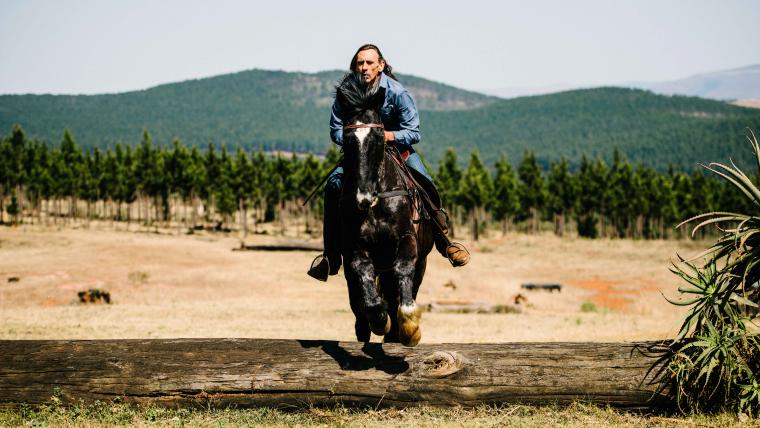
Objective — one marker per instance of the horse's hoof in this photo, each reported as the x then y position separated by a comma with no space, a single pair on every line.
409,331
410,338
384,330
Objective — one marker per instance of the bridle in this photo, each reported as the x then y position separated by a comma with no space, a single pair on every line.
399,165
365,125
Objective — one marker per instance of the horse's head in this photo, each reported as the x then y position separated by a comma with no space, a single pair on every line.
363,138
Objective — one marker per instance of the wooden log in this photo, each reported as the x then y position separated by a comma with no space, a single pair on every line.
469,307
299,373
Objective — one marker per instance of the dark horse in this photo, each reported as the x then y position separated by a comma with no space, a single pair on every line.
384,243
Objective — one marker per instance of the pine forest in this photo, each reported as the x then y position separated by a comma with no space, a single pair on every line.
186,188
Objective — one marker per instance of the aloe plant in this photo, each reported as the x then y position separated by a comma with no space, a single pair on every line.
714,361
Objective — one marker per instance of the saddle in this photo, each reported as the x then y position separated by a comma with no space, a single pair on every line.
421,187
426,205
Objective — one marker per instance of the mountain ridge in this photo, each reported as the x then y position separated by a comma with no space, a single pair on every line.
289,111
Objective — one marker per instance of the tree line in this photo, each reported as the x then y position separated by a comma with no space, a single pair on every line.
210,187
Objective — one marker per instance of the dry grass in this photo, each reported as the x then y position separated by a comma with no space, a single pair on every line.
576,415
166,286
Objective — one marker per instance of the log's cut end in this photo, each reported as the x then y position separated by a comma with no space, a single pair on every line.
264,372
441,364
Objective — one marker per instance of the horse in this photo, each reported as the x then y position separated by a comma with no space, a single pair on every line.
385,236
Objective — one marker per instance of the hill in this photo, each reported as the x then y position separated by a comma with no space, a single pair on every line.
254,108
276,110
735,84
655,129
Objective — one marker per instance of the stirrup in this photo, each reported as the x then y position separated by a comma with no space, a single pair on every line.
457,254
320,268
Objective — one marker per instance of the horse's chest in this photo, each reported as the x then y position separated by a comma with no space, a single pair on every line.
374,231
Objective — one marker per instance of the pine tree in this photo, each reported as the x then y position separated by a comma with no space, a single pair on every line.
243,182
307,178
448,180
226,202
475,192
561,194
16,175
39,183
641,201
591,188
532,188
619,195
260,183
197,185
5,168
110,182
683,192
130,187
506,200
69,167
212,169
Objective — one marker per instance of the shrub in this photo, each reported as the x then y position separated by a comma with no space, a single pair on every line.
714,361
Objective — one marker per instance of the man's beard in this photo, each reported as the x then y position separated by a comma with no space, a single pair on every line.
359,77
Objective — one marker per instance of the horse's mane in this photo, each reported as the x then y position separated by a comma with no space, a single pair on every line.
355,96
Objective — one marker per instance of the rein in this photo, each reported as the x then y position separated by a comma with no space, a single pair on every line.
365,125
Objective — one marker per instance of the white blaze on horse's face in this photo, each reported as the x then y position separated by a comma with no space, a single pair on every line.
363,199
361,134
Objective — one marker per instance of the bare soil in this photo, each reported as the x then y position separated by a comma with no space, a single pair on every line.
169,285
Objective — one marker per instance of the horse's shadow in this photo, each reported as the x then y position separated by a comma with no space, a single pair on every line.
374,358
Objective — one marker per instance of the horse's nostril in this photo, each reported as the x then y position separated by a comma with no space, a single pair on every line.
363,199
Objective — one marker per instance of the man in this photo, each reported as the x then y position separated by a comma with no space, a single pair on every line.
402,128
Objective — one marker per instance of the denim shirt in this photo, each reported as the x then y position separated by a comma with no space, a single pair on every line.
399,115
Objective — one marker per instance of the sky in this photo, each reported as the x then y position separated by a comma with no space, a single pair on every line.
106,46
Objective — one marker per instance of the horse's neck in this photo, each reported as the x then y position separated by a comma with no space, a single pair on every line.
391,178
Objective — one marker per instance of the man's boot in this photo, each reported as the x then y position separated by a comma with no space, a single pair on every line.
328,263
454,251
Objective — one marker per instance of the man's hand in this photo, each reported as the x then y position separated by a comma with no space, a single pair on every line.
389,137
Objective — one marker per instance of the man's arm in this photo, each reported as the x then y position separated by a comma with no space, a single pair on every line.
336,124
409,121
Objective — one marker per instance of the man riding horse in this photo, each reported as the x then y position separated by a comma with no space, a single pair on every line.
401,128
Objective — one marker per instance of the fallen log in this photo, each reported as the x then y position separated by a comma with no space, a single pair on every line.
469,307
547,287
300,373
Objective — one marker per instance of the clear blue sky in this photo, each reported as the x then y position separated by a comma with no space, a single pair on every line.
114,46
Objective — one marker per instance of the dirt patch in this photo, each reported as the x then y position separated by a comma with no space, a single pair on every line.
608,294
197,286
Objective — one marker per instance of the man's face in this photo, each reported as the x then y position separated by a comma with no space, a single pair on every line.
369,66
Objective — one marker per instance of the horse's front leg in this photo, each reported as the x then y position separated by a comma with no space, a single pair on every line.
409,314
360,276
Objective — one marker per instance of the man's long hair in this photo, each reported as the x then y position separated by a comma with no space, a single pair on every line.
388,70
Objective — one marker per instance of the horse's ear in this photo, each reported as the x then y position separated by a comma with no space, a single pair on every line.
378,99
